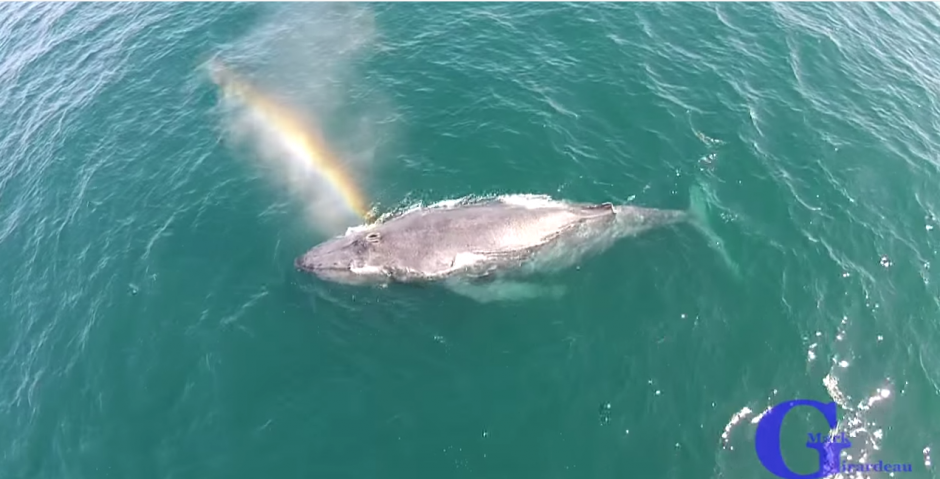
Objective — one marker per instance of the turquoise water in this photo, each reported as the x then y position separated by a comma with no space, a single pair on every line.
153,325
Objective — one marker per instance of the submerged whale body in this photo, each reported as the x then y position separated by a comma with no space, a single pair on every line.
482,248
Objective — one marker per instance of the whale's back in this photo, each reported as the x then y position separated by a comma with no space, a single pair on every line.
435,242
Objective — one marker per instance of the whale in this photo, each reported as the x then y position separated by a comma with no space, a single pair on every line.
485,248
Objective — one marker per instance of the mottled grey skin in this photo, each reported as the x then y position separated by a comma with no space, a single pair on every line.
494,238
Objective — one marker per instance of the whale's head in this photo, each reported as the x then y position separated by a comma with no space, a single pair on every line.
348,259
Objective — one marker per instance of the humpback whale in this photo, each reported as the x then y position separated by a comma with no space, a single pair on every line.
482,248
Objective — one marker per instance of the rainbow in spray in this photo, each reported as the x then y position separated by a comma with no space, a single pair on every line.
296,135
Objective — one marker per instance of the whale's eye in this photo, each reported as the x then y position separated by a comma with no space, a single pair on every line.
373,237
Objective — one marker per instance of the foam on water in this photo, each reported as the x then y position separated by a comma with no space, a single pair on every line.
530,201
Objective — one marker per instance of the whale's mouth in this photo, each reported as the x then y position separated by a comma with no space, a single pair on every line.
330,273
304,264
350,274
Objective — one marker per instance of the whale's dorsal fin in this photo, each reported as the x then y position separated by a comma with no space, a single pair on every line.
606,207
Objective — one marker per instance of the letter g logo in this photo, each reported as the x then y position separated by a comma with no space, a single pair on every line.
767,441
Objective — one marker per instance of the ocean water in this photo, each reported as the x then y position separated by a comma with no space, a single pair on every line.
152,324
